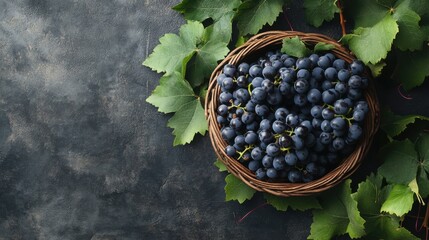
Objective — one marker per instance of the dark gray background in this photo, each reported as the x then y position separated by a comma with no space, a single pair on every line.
83,156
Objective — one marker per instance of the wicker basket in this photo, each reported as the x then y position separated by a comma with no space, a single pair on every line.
249,50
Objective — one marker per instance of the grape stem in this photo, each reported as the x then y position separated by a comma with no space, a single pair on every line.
287,20
250,212
342,20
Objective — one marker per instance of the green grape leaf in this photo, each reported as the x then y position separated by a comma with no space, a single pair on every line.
175,52
204,61
321,46
410,37
219,164
372,44
400,162
169,55
172,93
296,203
393,124
399,201
422,147
188,121
411,69
219,31
317,11
295,47
235,189
203,9
365,13
339,215
370,196
421,7
252,15
376,68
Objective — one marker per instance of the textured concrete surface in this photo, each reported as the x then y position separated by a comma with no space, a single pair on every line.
83,156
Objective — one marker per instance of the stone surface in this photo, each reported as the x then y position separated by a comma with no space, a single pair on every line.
83,156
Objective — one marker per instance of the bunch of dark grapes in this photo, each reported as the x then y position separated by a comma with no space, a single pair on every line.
292,119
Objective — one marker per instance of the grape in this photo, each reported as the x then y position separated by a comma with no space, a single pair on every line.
257,81
254,165
302,155
290,159
255,71
328,114
329,96
267,161
303,63
228,133
300,99
301,131
357,67
316,111
277,64
339,64
298,142
303,73
358,115
355,82
242,81
250,137
269,72
222,110
248,117
341,87
324,62
362,105
229,70
355,132
267,85
228,83
338,123
343,75
285,141
279,126
318,73
330,56
314,96
314,58
338,143
242,95
326,85
279,163
325,138
236,124
261,174
326,126
258,95
301,85
294,176
243,68
285,88
250,106
281,114
239,140
257,153
230,151
273,149
331,73
271,173
253,126
316,122
220,79
266,136
221,120
225,97
341,107
262,110
265,124
289,62
292,120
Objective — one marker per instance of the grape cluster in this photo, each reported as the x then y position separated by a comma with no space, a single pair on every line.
292,119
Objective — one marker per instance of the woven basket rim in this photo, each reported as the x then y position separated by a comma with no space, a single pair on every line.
348,166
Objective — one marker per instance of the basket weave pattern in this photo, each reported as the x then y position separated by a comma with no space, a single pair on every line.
332,178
